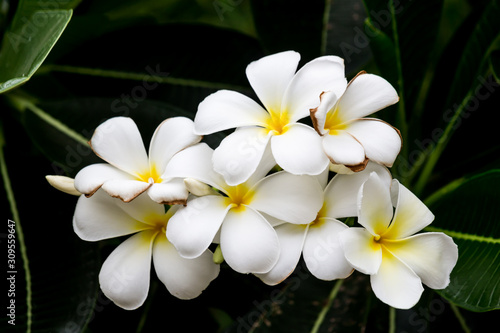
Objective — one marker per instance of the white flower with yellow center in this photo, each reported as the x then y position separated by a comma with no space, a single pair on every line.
318,240
387,249
349,139
235,217
125,274
287,96
130,171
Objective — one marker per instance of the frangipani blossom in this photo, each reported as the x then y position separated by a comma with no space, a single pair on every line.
397,261
318,240
349,139
287,96
235,217
130,171
125,274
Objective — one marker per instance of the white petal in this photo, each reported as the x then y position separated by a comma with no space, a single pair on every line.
118,142
125,189
248,242
318,114
381,141
184,278
343,148
323,253
63,184
396,284
239,154
291,198
270,76
299,151
192,228
173,135
90,179
194,162
291,238
169,192
227,109
375,205
100,217
143,209
366,94
124,276
360,250
341,193
431,256
411,214
321,74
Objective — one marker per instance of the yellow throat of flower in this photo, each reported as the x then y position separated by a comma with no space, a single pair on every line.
150,176
277,122
334,123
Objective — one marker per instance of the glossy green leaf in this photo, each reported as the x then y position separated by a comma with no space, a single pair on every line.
469,212
36,27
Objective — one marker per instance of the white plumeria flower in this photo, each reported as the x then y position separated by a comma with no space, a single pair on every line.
130,171
287,97
397,261
125,274
349,139
235,219
318,240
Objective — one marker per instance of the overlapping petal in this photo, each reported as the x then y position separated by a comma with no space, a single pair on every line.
323,253
239,154
99,217
381,142
124,276
125,189
360,250
248,242
271,88
89,179
321,74
411,214
169,192
430,255
291,198
227,109
170,137
341,193
193,228
291,239
365,94
298,150
396,284
118,142
343,148
183,278
375,205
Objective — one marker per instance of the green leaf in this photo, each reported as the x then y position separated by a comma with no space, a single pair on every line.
284,25
29,39
469,212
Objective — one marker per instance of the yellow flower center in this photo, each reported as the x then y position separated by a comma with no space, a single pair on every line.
157,222
238,196
150,176
278,122
334,123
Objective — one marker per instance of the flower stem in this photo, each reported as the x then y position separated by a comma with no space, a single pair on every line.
19,231
460,318
322,314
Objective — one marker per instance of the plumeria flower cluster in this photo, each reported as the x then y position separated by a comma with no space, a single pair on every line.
264,197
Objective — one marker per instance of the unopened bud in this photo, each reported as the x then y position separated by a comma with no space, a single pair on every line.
198,188
63,184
